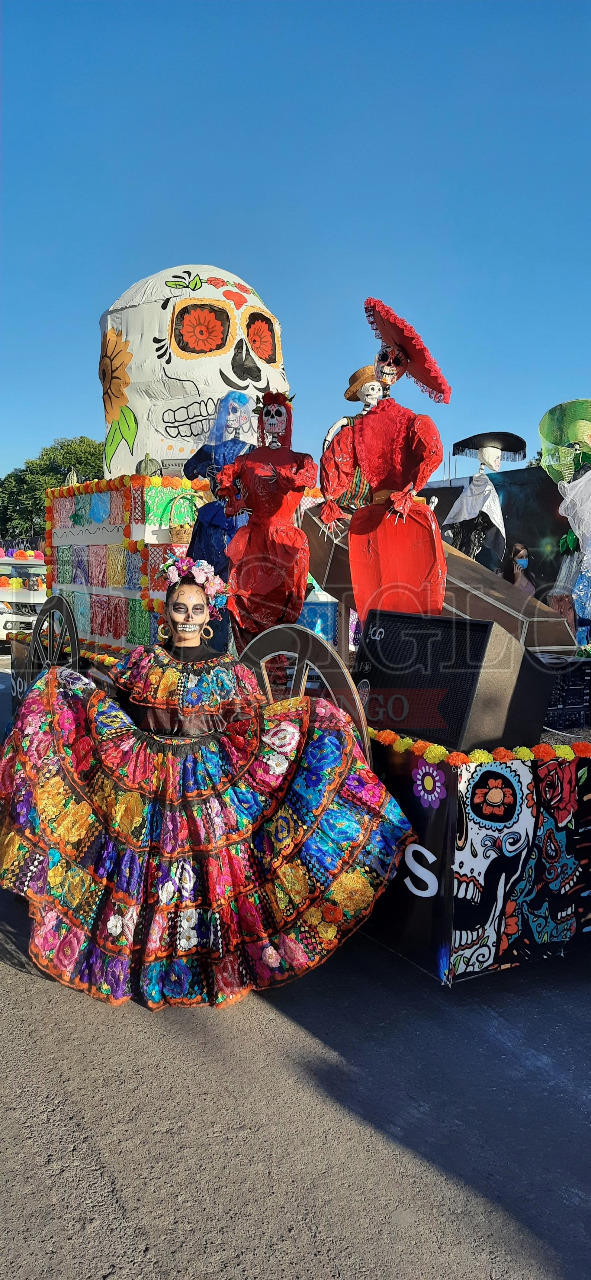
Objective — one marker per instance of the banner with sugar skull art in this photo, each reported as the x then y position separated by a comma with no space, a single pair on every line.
521,865
175,348
497,869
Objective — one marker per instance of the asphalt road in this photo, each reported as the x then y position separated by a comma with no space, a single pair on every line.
360,1123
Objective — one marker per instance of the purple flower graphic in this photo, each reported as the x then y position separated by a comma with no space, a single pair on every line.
429,785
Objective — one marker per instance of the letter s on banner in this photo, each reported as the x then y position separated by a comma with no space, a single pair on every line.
422,873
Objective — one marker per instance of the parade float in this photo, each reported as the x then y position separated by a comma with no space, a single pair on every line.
450,683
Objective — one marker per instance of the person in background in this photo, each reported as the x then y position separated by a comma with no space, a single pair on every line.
516,570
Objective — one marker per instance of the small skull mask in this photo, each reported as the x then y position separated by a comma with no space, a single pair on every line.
370,393
275,419
172,347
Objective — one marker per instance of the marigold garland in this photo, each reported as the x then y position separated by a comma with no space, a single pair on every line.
435,754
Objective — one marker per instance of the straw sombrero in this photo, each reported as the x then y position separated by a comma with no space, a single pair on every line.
358,380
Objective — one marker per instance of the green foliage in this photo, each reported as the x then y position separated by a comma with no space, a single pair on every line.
124,428
22,491
535,462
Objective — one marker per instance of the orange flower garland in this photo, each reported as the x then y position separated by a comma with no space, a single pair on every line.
543,751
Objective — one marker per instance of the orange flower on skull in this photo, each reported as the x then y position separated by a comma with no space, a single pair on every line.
260,337
202,330
494,797
115,357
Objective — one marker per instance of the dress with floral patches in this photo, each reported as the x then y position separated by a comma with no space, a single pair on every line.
188,869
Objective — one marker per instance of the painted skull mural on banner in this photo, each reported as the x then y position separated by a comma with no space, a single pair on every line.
517,875
171,347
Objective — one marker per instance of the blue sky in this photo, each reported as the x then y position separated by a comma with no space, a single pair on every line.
435,155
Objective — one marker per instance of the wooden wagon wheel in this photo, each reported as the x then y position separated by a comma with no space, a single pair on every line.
54,630
310,654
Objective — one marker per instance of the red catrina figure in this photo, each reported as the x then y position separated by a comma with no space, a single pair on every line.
395,548
269,557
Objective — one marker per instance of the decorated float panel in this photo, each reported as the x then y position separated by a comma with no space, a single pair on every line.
498,870
105,544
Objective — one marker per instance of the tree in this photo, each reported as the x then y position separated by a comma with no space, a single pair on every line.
22,491
535,462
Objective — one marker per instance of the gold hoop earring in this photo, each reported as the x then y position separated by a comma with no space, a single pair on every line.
163,632
207,632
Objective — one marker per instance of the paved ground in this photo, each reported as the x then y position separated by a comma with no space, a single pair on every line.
358,1125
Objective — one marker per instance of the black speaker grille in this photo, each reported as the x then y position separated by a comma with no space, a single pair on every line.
418,675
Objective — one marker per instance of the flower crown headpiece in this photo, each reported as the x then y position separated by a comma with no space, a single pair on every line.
178,567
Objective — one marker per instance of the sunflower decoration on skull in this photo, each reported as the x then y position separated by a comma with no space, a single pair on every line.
112,371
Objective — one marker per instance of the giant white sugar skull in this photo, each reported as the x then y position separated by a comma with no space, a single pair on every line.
172,347
494,837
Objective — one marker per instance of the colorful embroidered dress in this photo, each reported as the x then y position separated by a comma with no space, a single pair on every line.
188,869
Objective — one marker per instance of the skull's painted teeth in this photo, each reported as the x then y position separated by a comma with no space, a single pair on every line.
198,409
570,911
467,889
467,938
187,626
568,884
198,428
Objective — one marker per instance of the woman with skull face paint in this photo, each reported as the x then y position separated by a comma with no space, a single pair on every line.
179,840
395,548
269,557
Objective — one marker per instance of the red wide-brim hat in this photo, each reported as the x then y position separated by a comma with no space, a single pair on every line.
392,329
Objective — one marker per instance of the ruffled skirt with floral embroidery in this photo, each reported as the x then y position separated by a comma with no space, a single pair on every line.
189,871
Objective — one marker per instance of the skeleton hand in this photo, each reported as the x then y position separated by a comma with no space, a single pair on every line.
401,503
336,530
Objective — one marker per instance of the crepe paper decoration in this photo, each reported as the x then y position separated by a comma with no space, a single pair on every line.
138,624
99,616
65,568
97,565
116,565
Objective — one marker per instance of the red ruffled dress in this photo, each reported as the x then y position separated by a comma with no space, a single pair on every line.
269,557
397,560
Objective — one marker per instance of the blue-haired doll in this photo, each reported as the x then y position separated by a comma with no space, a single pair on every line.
233,434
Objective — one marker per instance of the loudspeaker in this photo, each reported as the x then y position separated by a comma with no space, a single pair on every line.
456,682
